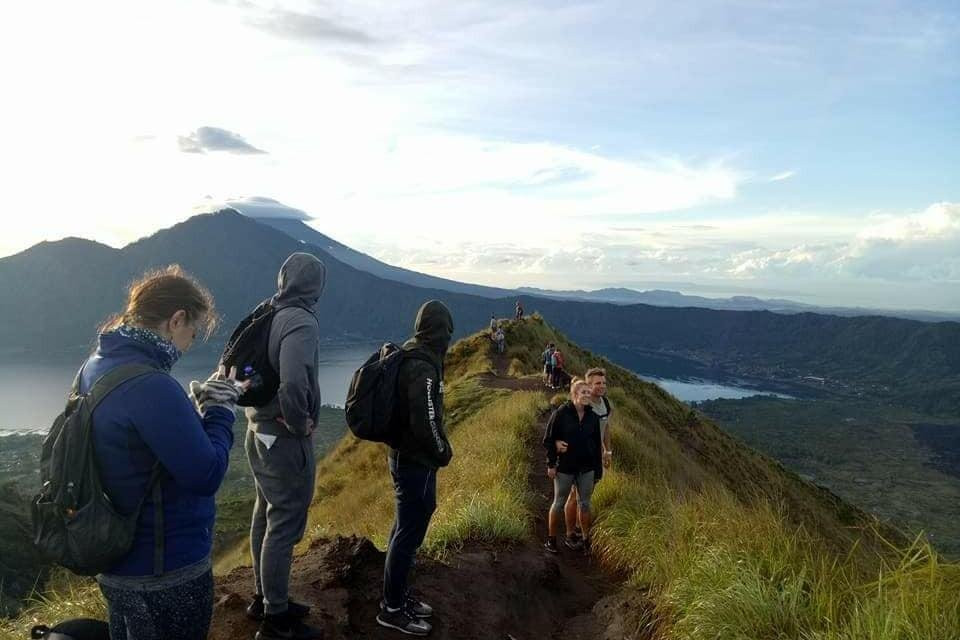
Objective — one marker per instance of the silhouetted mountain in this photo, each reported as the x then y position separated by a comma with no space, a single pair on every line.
61,291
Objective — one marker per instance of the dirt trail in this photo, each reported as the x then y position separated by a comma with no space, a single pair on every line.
500,379
481,592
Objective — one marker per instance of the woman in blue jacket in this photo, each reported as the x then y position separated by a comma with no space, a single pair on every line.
163,588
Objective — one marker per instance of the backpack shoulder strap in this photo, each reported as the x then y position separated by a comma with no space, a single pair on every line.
114,378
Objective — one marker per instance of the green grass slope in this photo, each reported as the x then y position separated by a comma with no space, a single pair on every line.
716,540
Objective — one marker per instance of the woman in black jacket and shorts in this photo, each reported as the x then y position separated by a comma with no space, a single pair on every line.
574,458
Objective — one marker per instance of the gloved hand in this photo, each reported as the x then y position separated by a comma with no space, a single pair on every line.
219,390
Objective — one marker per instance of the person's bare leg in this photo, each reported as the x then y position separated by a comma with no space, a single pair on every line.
585,521
553,522
570,511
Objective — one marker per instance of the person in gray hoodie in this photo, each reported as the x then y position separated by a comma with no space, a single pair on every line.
279,447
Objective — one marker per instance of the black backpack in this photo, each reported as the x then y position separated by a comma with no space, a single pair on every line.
74,521
371,398
248,351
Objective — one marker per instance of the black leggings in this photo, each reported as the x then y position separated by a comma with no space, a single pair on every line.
180,611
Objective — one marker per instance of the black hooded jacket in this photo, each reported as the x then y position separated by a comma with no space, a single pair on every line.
420,390
584,449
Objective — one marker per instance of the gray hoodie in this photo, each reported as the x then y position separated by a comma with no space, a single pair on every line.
294,350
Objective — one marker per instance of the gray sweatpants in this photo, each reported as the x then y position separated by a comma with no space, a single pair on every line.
284,475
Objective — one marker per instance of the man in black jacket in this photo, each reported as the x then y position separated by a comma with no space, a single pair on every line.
421,449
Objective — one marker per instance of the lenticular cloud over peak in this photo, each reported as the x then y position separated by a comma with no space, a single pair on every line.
259,207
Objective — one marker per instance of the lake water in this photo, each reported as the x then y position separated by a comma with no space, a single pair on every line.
33,394
699,390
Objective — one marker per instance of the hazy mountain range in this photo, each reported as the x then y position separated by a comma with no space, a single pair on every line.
666,298
55,294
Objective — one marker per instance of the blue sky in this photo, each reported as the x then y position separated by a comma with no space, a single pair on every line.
807,149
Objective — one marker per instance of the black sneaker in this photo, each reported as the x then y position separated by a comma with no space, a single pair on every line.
296,610
573,543
414,606
551,545
284,627
585,546
403,621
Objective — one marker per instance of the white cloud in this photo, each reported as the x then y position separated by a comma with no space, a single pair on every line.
254,207
207,139
820,259
784,175
541,176
922,246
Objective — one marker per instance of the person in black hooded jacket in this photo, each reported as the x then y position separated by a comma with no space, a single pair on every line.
421,449
574,458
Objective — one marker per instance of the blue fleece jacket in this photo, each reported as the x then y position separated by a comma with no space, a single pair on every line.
148,419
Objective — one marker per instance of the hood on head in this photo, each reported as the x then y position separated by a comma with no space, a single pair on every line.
434,326
301,281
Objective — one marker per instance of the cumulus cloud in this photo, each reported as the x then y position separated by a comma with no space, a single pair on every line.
733,255
216,139
923,247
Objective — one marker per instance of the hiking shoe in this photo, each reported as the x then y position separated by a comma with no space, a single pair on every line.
551,545
284,627
585,546
404,621
414,606
573,543
295,610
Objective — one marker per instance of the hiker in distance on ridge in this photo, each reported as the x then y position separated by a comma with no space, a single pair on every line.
547,357
279,448
422,448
